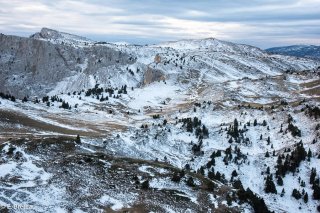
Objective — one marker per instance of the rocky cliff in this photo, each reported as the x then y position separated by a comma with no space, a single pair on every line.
30,66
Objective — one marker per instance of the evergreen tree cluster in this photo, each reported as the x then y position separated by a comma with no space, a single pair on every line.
123,90
177,176
313,111
216,176
8,97
25,99
45,99
55,98
295,131
196,148
195,123
211,162
102,98
202,132
130,70
314,181
296,194
237,134
239,158
269,185
233,130
157,116
190,123
248,196
291,162
97,91
65,105
94,91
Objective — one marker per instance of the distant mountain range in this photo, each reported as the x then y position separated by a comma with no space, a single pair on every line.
307,51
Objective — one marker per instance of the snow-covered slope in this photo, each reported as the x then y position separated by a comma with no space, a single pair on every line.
212,44
188,126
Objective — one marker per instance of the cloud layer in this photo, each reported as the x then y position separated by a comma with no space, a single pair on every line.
262,23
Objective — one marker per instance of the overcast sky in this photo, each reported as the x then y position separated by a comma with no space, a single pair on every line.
262,23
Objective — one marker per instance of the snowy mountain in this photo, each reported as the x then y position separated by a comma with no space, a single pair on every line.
51,60
187,126
307,51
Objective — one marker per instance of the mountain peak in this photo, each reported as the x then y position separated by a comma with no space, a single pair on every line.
47,33
55,35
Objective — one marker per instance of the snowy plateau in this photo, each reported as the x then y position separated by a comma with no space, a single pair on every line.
184,126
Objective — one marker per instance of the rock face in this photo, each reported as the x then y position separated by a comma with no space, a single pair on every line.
157,59
31,66
152,75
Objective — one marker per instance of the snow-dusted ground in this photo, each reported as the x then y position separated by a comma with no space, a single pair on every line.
224,78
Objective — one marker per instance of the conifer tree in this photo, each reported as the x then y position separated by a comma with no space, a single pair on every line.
305,197
78,140
269,185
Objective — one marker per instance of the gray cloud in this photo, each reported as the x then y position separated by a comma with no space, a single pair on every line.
262,23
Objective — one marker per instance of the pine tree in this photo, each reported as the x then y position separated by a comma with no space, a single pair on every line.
201,170
187,166
309,154
165,122
255,123
268,170
145,184
45,99
313,175
235,128
176,177
269,185
296,194
316,191
78,140
190,182
257,203
230,140
234,173
295,131
210,186
305,197
279,181
267,154
229,200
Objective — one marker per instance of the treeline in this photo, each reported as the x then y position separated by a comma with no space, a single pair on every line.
7,96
